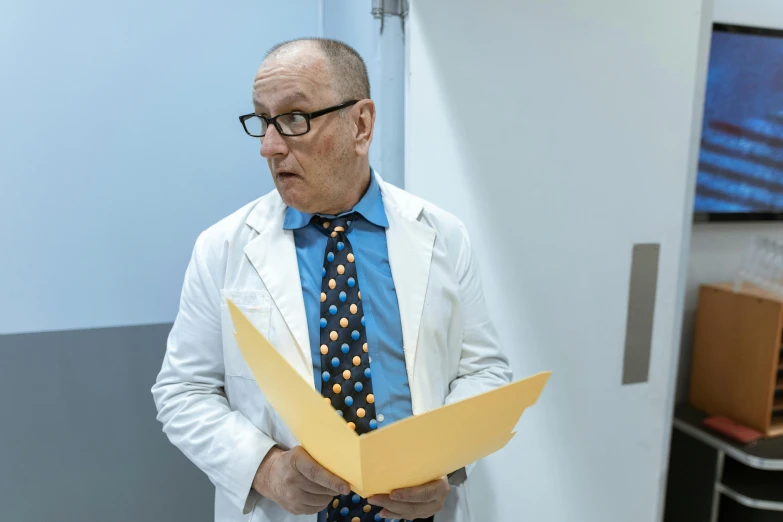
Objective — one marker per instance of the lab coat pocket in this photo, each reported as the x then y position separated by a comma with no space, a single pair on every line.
255,304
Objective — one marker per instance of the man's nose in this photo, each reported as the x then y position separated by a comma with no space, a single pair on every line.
273,143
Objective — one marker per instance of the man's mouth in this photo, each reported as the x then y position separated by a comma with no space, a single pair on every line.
283,175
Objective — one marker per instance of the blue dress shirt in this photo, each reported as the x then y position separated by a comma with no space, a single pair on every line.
379,299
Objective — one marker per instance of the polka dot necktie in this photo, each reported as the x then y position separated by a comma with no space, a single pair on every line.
345,358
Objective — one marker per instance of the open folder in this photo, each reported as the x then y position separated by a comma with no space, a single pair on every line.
407,453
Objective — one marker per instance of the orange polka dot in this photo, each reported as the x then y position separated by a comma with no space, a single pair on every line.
324,349
356,519
333,336
364,347
323,297
360,413
370,398
351,258
344,322
340,269
327,401
347,374
335,503
337,388
327,224
334,234
360,294
354,308
366,508
332,284
352,425
357,361
339,229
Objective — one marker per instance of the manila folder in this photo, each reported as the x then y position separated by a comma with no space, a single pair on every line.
407,453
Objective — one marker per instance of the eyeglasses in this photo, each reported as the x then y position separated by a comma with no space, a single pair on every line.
287,124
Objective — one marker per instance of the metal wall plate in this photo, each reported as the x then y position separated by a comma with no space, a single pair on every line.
641,313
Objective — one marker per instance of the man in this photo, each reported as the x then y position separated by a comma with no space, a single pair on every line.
369,292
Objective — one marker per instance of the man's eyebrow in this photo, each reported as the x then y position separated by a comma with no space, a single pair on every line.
286,100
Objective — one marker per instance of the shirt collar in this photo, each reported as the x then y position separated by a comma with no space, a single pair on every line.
370,207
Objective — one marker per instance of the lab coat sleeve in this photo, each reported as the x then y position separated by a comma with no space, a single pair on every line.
482,365
189,391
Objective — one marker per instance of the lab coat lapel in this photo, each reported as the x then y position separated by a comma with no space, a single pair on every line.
410,244
273,255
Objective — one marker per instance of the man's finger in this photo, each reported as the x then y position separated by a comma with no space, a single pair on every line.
424,493
407,509
307,466
379,500
316,499
314,488
311,509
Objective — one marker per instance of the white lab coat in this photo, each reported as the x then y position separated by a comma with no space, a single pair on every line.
208,402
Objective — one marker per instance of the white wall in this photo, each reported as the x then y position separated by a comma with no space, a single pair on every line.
716,248
761,13
562,133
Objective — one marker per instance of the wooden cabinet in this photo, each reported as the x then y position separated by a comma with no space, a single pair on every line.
736,368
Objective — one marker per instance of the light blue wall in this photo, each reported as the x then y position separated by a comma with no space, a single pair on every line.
119,143
351,22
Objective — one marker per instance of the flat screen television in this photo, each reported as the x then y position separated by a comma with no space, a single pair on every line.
740,175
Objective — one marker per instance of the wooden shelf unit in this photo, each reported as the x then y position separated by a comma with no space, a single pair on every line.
737,365
776,426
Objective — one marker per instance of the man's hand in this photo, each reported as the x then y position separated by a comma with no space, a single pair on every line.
296,482
417,502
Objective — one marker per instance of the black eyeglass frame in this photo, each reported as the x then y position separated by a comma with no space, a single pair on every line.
307,115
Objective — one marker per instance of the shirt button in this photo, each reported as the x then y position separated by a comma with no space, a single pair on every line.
380,417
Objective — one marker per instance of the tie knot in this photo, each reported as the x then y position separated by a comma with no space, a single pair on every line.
331,226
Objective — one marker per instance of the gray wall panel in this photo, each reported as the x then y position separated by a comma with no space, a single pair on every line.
79,441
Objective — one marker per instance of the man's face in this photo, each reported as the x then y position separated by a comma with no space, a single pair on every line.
307,170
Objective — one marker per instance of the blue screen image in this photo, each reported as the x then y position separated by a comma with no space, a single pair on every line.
741,153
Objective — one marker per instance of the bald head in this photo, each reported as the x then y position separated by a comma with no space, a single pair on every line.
345,67
326,167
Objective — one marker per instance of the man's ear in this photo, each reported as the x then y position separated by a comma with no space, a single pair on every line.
364,120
